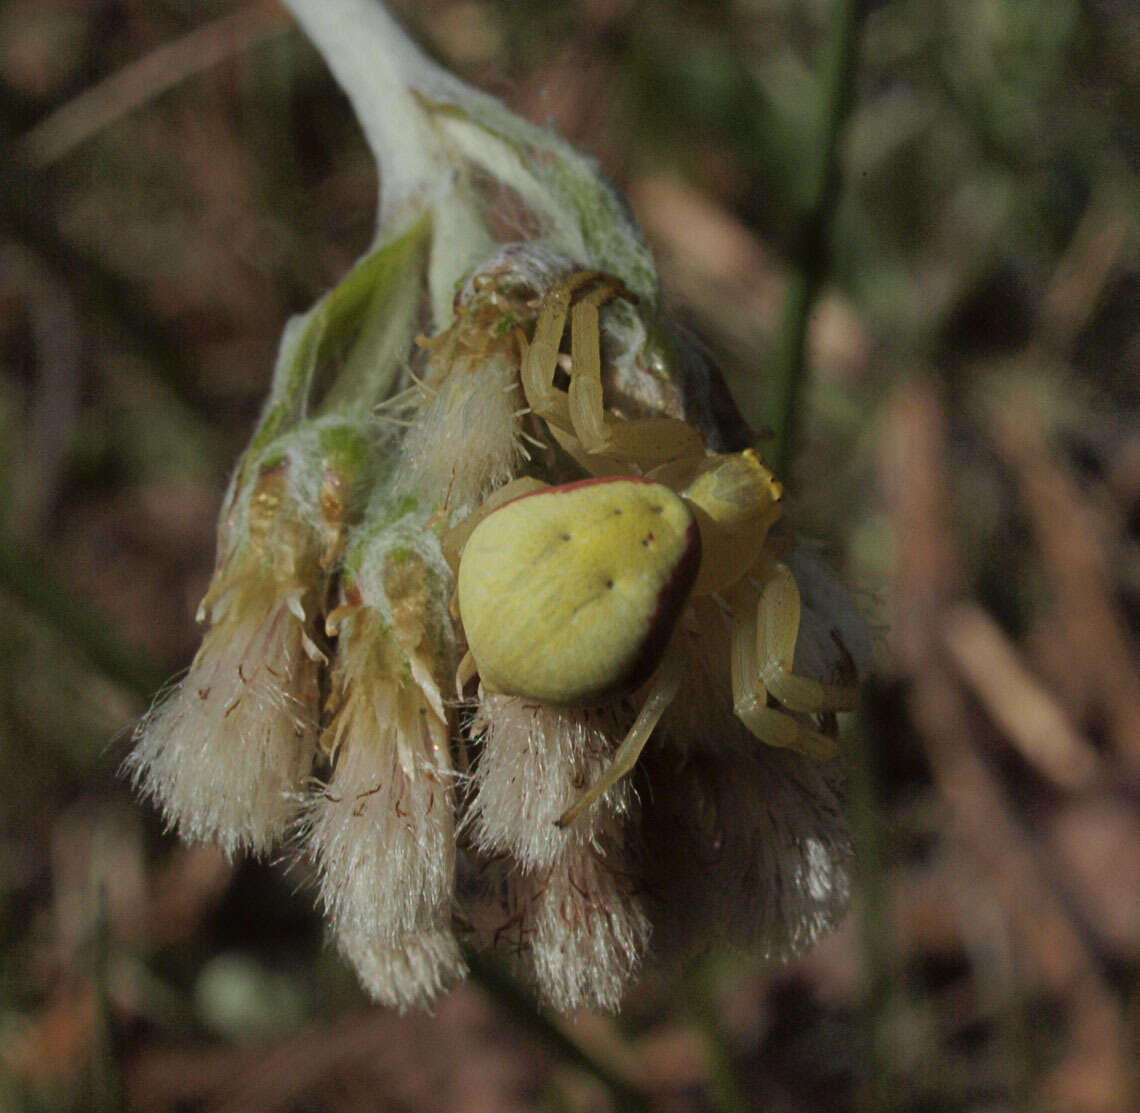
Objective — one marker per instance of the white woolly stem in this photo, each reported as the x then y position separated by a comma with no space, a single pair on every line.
378,66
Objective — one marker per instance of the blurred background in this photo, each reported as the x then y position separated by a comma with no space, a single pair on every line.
921,273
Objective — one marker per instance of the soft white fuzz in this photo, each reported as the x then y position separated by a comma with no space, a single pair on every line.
465,441
382,830
535,762
404,973
225,753
573,890
587,929
750,846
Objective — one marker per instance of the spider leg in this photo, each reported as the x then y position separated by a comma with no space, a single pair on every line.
664,689
771,725
465,673
777,628
540,357
648,441
777,728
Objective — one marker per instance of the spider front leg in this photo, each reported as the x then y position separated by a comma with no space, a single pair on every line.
577,418
662,691
647,441
767,624
540,358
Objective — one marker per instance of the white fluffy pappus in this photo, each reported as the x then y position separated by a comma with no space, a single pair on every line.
224,755
382,832
577,922
586,927
404,973
535,762
466,436
750,846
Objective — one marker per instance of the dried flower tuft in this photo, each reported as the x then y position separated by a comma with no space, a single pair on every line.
225,753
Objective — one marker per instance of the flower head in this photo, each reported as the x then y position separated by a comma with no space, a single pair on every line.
698,795
381,829
225,752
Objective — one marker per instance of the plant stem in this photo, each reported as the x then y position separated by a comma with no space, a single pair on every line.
812,260
377,66
726,1089
521,1006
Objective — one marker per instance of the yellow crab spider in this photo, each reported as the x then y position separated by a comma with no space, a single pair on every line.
569,594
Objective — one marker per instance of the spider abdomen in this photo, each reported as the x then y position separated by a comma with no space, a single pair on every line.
569,594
